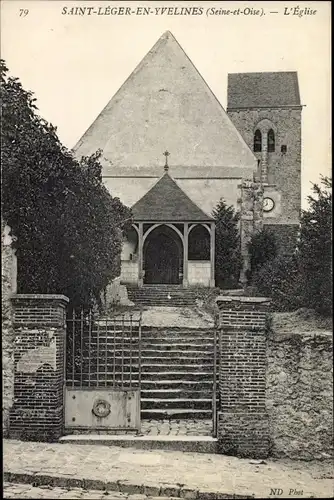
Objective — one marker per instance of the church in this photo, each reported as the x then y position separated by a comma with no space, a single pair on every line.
170,152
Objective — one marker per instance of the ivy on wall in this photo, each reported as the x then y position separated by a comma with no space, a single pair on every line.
68,226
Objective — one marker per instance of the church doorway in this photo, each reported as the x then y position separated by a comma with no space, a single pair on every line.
163,257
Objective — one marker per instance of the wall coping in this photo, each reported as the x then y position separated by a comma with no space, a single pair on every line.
239,298
40,296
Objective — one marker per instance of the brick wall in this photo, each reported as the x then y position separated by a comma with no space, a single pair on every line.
243,428
39,348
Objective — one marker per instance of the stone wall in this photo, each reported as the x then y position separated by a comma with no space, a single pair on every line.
129,271
8,288
284,170
199,273
300,395
251,220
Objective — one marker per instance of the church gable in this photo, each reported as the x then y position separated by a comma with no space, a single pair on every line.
165,103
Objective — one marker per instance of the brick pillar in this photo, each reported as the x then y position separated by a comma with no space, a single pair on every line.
242,419
39,356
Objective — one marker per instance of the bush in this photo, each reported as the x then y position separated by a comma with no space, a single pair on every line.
262,248
280,279
305,278
315,249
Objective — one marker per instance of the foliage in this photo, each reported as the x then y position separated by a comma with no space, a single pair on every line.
280,279
305,278
68,227
227,252
315,248
262,248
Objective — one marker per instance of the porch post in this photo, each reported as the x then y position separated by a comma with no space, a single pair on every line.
212,253
140,254
185,255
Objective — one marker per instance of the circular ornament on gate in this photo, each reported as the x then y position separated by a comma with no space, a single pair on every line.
101,408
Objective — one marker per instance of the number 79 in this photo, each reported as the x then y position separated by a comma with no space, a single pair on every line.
24,12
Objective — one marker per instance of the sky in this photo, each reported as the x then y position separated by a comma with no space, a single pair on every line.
75,63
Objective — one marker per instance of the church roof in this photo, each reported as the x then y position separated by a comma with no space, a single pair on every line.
256,90
165,104
166,201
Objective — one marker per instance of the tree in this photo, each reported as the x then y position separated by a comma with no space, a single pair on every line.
68,227
227,252
280,279
314,251
262,248
305,278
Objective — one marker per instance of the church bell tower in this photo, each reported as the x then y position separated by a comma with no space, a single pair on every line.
266,110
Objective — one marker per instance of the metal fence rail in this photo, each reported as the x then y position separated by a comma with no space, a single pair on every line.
103,352
214,383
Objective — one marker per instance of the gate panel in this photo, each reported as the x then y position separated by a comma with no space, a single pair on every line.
103,372
100,409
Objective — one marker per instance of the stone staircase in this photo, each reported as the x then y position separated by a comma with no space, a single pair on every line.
177,373
162,295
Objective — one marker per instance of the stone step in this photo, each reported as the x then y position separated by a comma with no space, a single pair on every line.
185,385
159,344
173,294
147,294
171,393
148,377
163,304
176,414
192,368
177,375
198,444
176,353
151,332
177,343
180,361
175,404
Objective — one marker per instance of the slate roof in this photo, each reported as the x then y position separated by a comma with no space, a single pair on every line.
166,201
263,89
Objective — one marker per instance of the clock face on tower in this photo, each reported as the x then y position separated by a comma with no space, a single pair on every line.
268,204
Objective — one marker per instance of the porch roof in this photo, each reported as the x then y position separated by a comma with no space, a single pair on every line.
166,201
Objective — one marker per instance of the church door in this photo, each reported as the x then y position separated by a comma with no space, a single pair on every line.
162,260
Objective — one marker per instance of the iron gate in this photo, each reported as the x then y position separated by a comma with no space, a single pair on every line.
103,372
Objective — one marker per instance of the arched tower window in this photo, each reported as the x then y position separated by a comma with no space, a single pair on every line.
257,141
271,141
